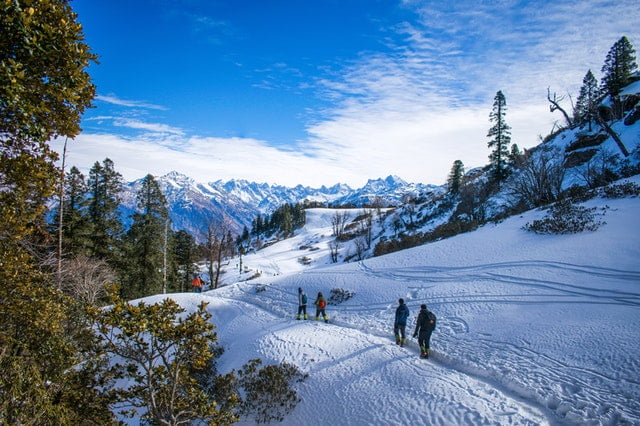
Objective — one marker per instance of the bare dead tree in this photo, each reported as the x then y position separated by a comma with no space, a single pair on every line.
218,244
86,278
334,248
555,105
61,214
339,221
540,179
360,244
603,123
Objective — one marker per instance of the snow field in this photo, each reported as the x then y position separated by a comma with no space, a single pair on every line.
532,329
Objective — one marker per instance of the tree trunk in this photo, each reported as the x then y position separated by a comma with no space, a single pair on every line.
613,134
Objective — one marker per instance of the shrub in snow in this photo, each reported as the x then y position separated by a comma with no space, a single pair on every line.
339,295
159,349
260,288
305,260
566,218
268,392
621,190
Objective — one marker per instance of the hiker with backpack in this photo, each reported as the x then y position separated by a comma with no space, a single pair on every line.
425,325
302,304
400,323
321,304
197,283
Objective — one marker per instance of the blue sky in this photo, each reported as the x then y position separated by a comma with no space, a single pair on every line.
327,91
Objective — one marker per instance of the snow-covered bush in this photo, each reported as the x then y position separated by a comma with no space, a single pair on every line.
621,190
269,395
339,295
566,218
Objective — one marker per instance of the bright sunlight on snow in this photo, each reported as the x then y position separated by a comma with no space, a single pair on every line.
532,329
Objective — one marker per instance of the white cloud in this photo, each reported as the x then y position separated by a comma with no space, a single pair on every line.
156,128
114,100
409,112
203,159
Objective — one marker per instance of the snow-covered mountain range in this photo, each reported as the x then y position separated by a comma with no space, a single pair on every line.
192,204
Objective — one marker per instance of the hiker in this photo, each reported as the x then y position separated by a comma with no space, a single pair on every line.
302,304
196,283
425,325
400,324
321,303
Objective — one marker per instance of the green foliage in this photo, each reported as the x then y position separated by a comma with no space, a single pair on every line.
45,377
285,220
147,241
105,186
587,102
160,348
619,66
500,133
184,255
268,392
566,218
455,177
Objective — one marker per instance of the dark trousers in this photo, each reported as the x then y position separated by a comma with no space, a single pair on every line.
400,330
424,338
302,309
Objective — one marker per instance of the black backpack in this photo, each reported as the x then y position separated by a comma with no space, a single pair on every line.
431,319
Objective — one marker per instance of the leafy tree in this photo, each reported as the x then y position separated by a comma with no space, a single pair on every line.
146,241
619,66
455,177
159,348
105,186
44,89
587,102
500,133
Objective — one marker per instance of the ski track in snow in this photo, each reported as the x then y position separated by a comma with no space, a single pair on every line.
479,369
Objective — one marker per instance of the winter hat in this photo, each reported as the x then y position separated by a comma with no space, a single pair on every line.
423,306
299,289
401,301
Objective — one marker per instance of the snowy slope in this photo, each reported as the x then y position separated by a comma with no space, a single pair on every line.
532,329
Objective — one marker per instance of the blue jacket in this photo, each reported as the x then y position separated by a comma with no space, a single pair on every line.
402,314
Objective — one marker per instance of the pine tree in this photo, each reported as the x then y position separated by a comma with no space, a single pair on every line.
145,241
618,67
587,102
184,256
76,228
455,177
105,187
500,133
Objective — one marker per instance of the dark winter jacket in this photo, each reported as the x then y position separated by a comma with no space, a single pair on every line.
402,314
426,322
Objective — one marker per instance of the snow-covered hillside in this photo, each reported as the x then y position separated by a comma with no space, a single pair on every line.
532,329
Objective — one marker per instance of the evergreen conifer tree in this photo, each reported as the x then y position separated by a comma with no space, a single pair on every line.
500,133
618,67
185,254
76,228
587,101
145,241
455,177
105,187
